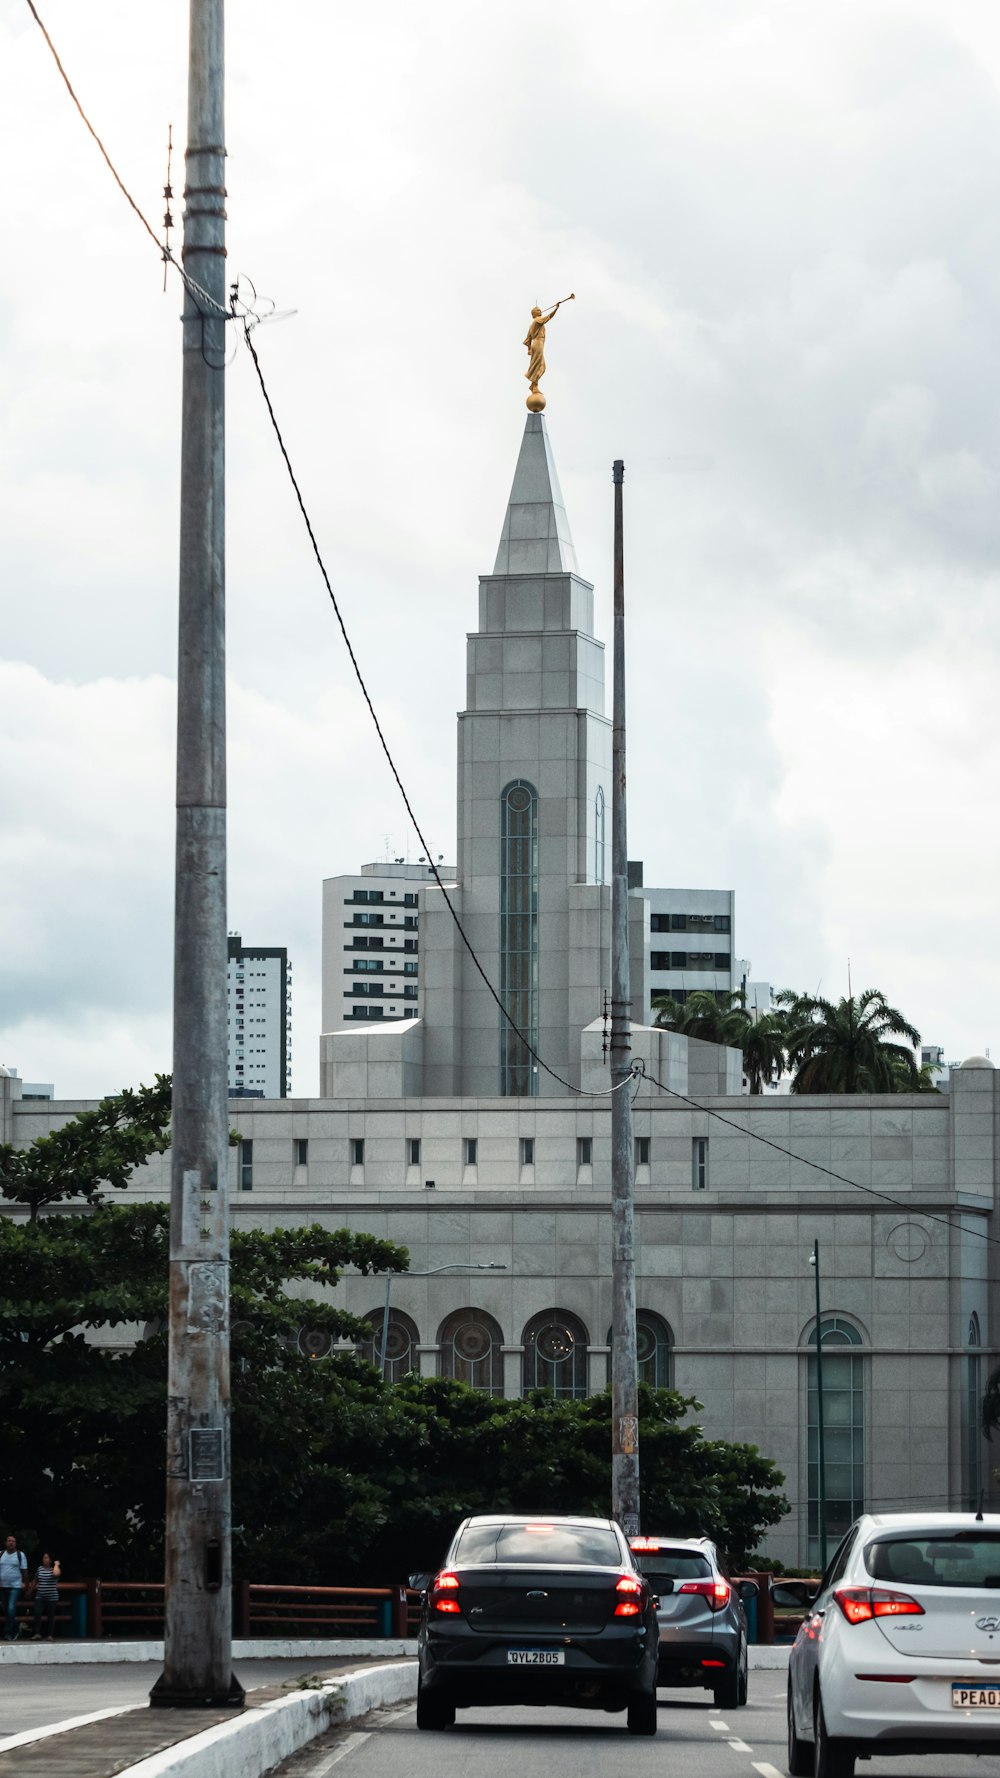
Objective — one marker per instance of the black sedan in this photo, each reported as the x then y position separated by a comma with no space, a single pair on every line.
538,1611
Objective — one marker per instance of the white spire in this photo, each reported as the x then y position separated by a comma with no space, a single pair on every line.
536,537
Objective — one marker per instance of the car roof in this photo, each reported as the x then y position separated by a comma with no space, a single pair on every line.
540,1519
679,1543
939,1521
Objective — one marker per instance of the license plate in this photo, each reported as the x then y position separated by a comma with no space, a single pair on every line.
975,1697
536,1657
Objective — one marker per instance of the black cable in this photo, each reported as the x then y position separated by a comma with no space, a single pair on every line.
817,1166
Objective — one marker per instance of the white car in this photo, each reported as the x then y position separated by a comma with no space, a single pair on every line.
901,1652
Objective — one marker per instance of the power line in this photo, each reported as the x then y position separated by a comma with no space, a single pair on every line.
872,1191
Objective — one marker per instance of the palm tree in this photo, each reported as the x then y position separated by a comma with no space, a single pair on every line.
724,1019
848,1047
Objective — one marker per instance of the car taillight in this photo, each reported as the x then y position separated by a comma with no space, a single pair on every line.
628,1584
644,1543
447,1584
860,1604
627,1608
716,1592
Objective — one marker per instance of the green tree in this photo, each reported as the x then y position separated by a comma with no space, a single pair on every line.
98,1148
848,1046
722,1018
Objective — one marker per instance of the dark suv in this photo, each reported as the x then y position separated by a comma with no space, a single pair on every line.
538,1612
703,1627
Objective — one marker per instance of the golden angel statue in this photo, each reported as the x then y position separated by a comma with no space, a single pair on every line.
535,342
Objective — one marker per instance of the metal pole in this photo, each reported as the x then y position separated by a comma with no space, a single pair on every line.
624,1366
491,1265
197,1667
821,1447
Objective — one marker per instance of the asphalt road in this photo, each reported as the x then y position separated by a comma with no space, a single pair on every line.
694,1740
32,1697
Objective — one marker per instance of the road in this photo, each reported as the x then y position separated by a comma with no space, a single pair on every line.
694,1740
34,1696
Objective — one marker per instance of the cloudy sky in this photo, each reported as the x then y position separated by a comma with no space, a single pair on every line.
781,223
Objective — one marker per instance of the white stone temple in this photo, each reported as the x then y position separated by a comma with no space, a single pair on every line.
439,1131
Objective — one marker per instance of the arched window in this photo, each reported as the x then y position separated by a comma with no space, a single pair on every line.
555,1354
471,1342
401,1346
843,1433
518,937
654,1343
599,853
973,1439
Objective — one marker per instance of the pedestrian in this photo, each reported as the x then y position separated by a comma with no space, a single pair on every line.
46,1586
13,1568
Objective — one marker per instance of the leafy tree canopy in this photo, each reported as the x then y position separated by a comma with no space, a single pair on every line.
98,1148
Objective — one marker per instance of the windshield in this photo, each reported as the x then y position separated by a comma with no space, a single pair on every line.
958,1559
671,1565
539,1543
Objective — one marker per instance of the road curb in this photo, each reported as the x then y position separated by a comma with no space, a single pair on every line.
44,1654
259,1739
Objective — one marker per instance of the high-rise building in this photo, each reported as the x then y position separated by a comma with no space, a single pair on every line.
259,982
371,942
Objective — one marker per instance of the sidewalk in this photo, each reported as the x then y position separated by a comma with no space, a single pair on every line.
277,1721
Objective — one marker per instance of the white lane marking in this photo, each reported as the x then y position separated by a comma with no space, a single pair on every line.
740,1747
766,1771
351,1743
25,1738
724,1726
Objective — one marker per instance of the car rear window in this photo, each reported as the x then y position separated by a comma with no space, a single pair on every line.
539,1543
661,1565
956,1559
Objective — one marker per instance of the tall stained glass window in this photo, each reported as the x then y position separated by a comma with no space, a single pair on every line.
519,937
844,1432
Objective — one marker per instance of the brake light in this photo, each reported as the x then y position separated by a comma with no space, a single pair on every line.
643,1543
716,1592
627,1609
860,1604
446,1583
540,1530
628,1584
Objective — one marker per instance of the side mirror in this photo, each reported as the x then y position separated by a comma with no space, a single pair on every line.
747,1589
419,1582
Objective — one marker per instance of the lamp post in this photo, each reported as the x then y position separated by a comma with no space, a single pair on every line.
432,1272
821,1450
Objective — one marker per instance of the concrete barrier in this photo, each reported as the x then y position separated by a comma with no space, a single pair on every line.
45,1654
259,1739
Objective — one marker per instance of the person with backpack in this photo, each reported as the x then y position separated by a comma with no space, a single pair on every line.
46,1590
13,1567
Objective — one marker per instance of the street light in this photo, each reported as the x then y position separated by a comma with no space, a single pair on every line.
814,1262
488,1266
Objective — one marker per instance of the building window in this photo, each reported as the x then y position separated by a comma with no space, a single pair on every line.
357,1151
584,1151
527,1151
699,1163
471,1149
246,1166
654,1343
555,1354
972,1418
642,1151
301,1147
400,1347
518,938
471,1350
599,830
843,1433
413,1151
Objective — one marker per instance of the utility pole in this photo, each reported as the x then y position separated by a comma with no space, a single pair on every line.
821,1444
624,1365
198,1634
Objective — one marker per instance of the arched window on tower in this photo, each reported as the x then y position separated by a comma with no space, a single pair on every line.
973,1416
401,1346
654,1348
600,864
519,938
843,1430
471,1350
555,1354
